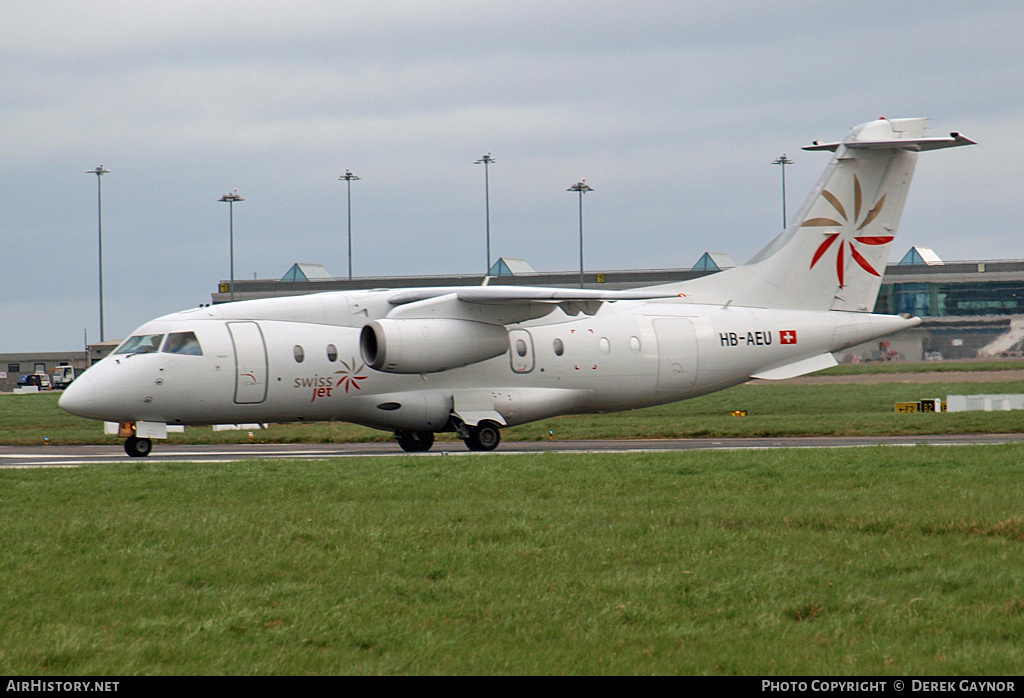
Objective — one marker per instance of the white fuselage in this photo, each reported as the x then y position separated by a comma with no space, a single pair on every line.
299,359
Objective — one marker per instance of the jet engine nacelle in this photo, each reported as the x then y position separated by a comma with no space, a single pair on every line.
429,345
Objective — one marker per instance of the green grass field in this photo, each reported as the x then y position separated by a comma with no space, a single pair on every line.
880,560
774,410
872,561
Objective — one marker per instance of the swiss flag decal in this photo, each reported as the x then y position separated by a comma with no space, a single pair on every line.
788,336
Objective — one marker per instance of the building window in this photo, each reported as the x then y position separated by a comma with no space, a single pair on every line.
14,368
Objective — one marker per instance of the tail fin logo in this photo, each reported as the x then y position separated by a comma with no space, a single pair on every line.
850,227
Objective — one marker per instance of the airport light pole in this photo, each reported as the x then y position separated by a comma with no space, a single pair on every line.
348,178
783,161
99,172
582,187
231,199
486,161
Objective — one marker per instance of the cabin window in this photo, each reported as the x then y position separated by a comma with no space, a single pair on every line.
183,343
300,354
332,353
521,347
634,344
604,345
141,344
559,347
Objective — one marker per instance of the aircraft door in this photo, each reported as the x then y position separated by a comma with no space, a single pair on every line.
250,363
677,353
521,350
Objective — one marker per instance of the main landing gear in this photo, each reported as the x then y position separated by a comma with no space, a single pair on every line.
137,448
415,441
484,436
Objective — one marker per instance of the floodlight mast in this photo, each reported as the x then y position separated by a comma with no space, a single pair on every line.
582,187
783,161
486,161
231,199
348,178
99,172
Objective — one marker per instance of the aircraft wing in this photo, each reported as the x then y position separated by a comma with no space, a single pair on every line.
507,304
520,294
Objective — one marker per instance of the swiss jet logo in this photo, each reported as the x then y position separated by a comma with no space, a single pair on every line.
350,375
848,238
787,336
324,386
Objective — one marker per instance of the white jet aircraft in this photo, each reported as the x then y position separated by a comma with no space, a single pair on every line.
475,359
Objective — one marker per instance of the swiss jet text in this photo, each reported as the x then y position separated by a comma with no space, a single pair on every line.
315,382
321,385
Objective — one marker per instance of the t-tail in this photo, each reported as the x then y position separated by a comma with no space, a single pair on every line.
832,256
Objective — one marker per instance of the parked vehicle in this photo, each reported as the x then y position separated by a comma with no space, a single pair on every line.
40,380
63,376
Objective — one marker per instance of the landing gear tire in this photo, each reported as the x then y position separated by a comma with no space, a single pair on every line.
415,441
137,448
485,436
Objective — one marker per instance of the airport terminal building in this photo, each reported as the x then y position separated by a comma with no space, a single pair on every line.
970,309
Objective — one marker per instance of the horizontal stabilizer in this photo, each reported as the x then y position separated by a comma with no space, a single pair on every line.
888,134
915,144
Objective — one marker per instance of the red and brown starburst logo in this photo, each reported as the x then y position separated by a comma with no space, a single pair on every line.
848,237
350,375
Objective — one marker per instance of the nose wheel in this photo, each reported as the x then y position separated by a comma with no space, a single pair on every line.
137,448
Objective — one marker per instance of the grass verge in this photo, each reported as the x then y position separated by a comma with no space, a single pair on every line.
876,560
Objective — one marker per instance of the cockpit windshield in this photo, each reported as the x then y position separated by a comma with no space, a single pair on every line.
141,344
183,343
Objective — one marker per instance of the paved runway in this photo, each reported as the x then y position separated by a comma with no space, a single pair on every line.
73,456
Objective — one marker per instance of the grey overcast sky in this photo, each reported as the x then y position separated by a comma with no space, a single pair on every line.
672,111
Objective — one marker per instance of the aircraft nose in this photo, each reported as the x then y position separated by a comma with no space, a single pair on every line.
78,397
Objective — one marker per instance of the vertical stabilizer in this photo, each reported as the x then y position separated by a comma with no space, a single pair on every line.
833,255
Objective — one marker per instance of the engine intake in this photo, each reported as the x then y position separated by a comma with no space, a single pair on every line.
429,345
